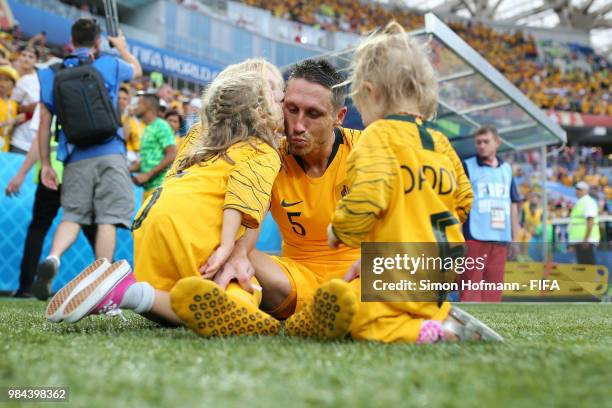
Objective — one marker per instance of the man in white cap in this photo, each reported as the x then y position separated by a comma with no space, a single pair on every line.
583,229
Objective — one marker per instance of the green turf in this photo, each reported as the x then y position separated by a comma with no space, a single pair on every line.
554,355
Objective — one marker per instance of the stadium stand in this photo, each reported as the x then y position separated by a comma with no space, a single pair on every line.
567,77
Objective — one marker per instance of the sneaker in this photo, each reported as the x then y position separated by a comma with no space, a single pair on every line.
102,296
466,327
329,315
55,308
207,309
45,272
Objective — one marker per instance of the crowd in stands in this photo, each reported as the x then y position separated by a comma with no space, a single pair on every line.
566,167
575,80
180,108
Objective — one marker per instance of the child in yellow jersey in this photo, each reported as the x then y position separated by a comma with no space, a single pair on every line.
258,65
394,89
222,186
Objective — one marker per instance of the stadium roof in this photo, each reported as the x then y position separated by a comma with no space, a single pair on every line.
594,16
473,93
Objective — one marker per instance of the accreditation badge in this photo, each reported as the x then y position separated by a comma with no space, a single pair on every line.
498,218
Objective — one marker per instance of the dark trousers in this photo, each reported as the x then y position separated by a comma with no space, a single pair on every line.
46,206
585,254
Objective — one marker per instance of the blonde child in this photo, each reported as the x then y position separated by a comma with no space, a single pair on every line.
396,191
222,186
259,65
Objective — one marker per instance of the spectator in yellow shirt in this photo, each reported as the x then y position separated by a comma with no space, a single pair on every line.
8,107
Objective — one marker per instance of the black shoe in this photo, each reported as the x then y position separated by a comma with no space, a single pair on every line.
45,272
23,294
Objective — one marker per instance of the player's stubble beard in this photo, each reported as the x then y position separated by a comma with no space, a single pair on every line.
312,143
300,149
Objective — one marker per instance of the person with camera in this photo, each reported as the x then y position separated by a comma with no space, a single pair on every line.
82,93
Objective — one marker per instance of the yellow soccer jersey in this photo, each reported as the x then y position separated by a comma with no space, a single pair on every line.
303,206
192,136
179,226
406,183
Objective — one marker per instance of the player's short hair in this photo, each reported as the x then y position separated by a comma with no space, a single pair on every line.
398,67
84,32
487,129
236,108
322,72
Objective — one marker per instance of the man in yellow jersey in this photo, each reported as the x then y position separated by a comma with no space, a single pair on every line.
304,196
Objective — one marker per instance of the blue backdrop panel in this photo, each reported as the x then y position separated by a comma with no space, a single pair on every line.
16,214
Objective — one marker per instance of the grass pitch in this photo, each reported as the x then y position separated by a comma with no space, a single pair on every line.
555,355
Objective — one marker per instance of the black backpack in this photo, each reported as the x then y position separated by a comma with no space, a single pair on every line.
84,108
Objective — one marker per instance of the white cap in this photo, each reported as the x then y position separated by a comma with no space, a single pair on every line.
196,103
581,185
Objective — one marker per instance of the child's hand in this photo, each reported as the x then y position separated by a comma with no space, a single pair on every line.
354,271
332,240
215,261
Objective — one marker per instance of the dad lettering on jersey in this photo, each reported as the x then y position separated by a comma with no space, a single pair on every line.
440,179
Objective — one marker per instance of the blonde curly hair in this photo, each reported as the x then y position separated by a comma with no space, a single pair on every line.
236,108
397,66
252,65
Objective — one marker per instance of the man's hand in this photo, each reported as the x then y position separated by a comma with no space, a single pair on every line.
48,177
214,263
332,240
354,271
13,187
119,42
239,269
141,178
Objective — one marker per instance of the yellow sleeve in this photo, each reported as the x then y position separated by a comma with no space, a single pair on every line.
352,135
249,186
463,194
370,174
